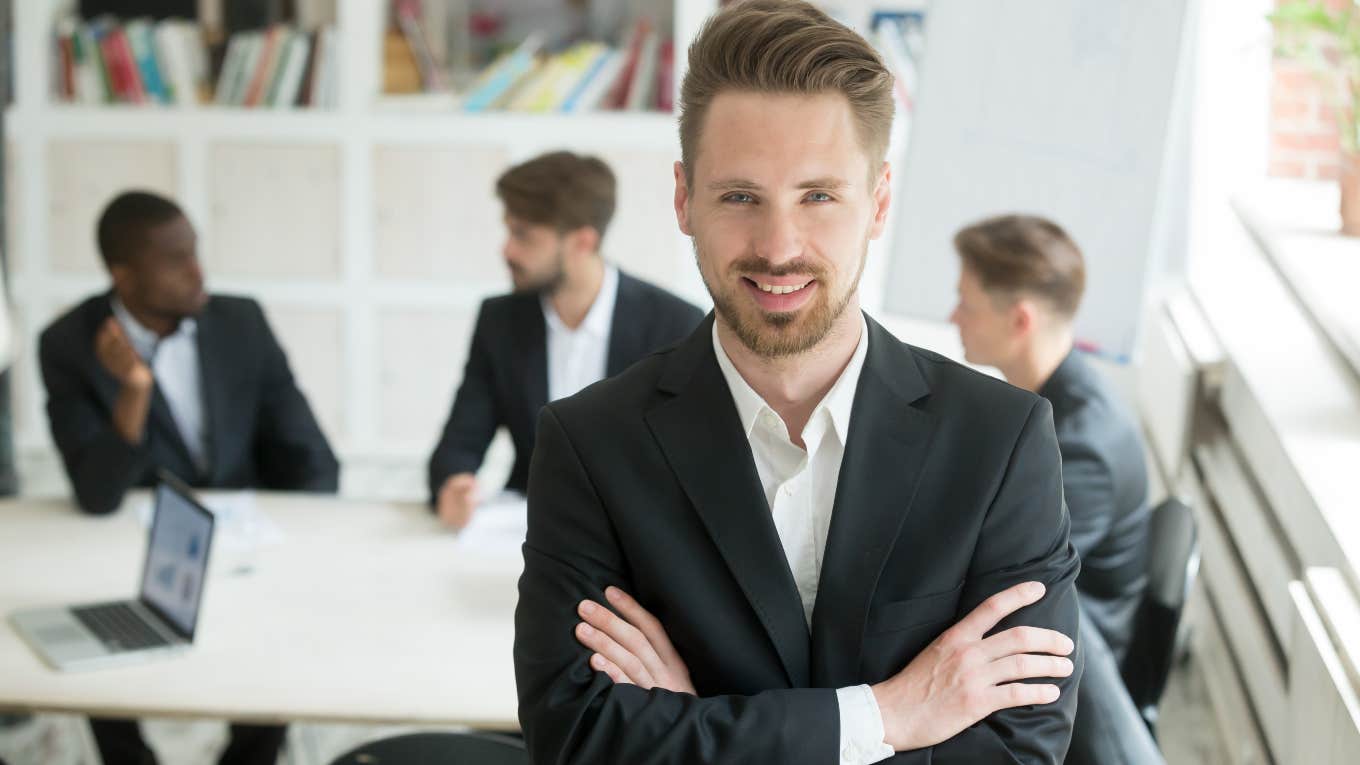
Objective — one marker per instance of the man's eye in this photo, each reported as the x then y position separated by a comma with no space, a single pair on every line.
819,196
739,198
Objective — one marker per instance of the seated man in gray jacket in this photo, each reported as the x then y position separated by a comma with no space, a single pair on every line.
1019,288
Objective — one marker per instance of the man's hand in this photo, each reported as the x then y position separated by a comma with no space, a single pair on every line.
115,352
963,677
457,499
633,649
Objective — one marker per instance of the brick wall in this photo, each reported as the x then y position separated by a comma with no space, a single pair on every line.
1303,130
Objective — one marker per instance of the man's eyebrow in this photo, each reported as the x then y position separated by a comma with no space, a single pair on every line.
825,182
733,184
741,184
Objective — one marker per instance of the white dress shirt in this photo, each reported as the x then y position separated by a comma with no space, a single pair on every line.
579,357
174,363
800,485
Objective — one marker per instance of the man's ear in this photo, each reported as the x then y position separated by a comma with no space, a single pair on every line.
1024,316
122,276
681,200
584,240
882,199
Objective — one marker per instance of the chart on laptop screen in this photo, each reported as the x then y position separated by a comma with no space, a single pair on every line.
177,560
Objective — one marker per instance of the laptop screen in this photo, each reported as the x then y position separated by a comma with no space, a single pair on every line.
177,558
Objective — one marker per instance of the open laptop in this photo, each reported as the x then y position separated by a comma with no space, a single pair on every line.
160,621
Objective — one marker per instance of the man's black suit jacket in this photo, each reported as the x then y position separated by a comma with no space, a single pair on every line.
1106,484
505,381
949,492
260,431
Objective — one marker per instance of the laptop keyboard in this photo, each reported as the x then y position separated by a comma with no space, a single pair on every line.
119,627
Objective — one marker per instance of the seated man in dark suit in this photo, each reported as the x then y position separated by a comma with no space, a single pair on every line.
157,374
1019,288
823,545
571,320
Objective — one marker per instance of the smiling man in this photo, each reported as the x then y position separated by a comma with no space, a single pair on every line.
793,538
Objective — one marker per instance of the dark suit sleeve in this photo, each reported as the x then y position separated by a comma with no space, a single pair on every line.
1024,538
291,452
99,463
1088,484
475,416
573,714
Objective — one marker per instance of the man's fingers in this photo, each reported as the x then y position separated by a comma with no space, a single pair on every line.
1022,695
461,483
991,611
603,644
626,635
641,618
112,333
599,663
1027,666
1017,640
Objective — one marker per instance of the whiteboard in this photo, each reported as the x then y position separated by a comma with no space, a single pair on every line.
1061,108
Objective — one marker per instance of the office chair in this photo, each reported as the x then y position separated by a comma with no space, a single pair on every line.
1173,562
445,748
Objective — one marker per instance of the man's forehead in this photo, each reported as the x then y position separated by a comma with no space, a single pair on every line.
175,230
754,137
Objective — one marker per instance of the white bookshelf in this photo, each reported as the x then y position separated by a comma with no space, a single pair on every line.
354,226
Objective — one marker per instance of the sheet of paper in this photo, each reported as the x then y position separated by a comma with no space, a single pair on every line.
240,523
498,526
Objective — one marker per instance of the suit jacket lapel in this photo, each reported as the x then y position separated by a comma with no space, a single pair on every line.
162,418
626,328
531,335
214,368
702,439
885,453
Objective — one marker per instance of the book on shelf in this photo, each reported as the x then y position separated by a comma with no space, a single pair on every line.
590,90
618,92
141,61
502,75
539,74
642,89
410,20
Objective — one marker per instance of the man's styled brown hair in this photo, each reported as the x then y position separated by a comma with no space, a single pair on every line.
1014,255
784,46
564,190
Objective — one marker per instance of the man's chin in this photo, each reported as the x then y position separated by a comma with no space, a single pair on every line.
776,335
195,306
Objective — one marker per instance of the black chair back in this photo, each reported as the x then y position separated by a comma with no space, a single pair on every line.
1173,562
471,748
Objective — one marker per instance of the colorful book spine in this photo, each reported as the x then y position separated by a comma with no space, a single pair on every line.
290,81
642,90
66,59
143,52
263,71
593,70
665,77
601,84
431,73
618,94
520,64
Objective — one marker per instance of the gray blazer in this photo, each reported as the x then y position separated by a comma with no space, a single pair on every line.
1105,482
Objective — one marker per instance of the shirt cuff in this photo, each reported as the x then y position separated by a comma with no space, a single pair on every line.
861,727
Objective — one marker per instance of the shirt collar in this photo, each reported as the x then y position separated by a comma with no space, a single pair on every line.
838,402
601,314
145,340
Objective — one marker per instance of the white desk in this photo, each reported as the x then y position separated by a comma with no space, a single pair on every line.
364,612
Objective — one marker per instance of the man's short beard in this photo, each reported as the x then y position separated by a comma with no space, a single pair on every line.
549,285
787,338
